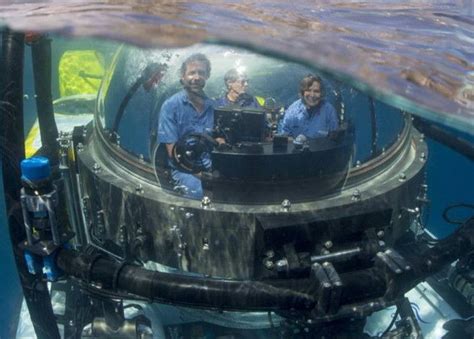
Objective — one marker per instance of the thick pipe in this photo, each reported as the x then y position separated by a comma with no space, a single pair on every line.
288,294
41,56
182,289
373,127
457,144
12,150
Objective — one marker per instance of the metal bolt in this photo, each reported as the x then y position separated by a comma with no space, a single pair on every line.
356,195
206,201
286,204
96,167
380,234
188,215
422,137
139,189
270,254
205,247
80,147
358,163
268,264
328,244
402,177
282,264
422,156
141,157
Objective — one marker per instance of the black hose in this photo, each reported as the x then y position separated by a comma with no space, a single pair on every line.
457,144
182,289
147,73
283,294
12,150
41,57
373,127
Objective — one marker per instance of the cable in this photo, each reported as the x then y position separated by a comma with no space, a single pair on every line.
456,222
391,324
416,310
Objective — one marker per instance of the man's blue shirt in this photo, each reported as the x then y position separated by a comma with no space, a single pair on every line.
298,120
178,117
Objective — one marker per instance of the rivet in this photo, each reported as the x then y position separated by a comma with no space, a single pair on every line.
402,177
268,264
286,204
96,167
270,254
328,244
206,201
356,195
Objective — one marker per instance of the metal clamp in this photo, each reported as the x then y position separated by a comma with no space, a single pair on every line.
394,261
329,287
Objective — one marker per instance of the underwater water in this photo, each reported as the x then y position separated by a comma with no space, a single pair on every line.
416,56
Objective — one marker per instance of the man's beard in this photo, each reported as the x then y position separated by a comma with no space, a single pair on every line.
196,89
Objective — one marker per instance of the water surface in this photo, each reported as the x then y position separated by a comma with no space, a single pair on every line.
417,55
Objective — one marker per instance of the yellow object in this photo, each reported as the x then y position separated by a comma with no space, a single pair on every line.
260,100
80,72
31,142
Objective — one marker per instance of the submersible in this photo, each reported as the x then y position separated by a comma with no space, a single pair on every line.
301,231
